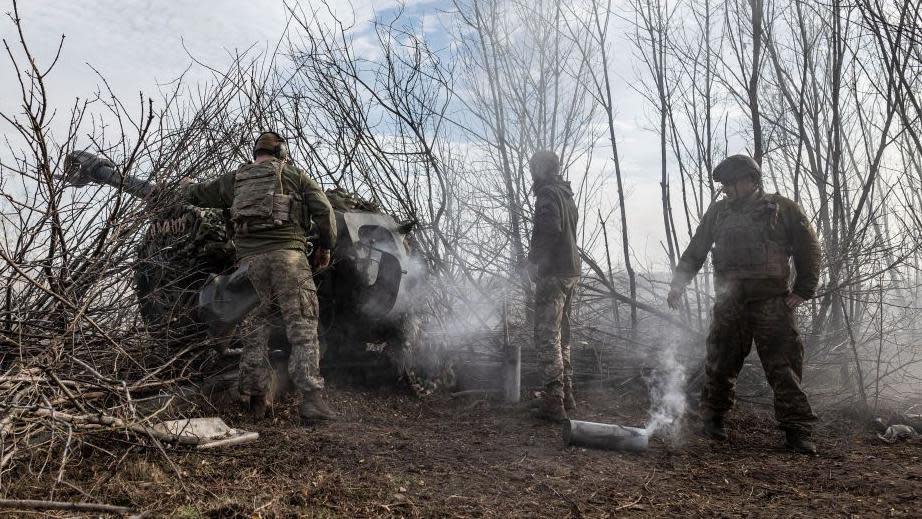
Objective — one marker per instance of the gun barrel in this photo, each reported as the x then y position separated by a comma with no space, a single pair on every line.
82,168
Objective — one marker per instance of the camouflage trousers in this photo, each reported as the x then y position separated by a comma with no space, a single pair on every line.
552,331
736,323
287,294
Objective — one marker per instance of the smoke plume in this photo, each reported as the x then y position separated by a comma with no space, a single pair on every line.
667,392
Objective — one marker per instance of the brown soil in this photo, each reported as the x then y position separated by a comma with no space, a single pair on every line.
394,455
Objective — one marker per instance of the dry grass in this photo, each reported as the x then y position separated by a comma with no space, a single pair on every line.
396,455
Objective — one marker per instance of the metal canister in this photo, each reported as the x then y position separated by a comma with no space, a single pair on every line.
604,436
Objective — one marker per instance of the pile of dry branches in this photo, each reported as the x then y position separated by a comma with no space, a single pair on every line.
79,374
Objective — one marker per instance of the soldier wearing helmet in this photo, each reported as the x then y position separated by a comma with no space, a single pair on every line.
753,238
274,207
554,266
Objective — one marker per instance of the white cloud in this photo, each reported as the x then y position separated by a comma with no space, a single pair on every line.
136,44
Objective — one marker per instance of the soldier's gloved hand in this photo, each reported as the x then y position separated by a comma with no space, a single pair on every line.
321,258
674,299
793,301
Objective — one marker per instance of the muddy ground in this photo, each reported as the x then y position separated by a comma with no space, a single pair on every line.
397,455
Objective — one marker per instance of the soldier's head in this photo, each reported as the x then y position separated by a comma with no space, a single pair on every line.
270,144
544,166
739,175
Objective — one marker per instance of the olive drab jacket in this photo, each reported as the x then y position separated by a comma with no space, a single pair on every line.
554,248
752,241
285,227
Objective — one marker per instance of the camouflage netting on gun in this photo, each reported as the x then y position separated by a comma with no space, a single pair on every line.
180,249
342,200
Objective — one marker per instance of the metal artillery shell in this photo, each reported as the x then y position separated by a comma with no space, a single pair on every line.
604,436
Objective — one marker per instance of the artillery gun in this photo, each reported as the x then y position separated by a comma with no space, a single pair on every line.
187,289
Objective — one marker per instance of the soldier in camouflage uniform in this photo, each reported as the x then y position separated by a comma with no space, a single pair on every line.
752,236
554,266
273,206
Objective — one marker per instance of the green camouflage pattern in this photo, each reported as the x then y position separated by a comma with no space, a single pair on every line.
786,226
738,322
343,200
260,200
554,248
183,245
552,332
311,212
757,235
287,293
735,167
746,245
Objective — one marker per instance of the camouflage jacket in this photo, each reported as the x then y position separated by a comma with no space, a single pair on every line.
311,206
785,224
553,240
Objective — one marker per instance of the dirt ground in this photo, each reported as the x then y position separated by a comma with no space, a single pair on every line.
397,455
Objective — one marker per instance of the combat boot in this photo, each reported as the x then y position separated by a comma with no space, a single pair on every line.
314,409
550,406
569,403
257,407
799,442
714,428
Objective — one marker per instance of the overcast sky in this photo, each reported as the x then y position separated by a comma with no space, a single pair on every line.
140,44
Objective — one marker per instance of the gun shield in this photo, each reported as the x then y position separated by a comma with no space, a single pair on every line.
225,301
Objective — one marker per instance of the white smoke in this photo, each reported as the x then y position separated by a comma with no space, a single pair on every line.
667,392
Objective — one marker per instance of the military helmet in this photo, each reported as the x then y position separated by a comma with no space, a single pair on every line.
735,167
544,164
271,143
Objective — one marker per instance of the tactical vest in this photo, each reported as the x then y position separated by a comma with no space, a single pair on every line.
260,202
748,243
